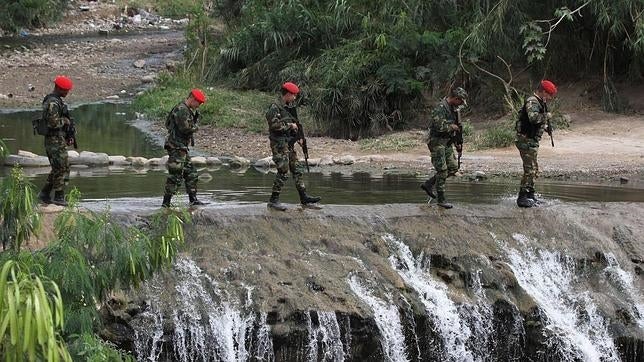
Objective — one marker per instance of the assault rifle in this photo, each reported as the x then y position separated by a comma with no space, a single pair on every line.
69,129
195,121
549,126
299,135
457,136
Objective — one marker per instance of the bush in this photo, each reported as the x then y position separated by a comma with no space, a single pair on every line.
29,13
498,136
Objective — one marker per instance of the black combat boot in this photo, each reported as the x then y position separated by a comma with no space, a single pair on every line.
59,198
274,202
530,195
523,200
442,202
45,194
428,187
306,199
194,201
166,200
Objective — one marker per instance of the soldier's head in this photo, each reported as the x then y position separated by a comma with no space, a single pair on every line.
62,85
289,92
195,98
546,90
457,97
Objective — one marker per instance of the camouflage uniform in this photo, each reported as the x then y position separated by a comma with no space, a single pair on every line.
55,144
181,124
284,155
530,128
440,143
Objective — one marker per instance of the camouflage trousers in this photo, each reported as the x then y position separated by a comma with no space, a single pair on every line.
443,161
180,168
528,149
285,159
56,149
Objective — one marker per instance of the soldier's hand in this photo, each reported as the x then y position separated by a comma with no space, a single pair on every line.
293,126
549,115
66,121
454,127
300,142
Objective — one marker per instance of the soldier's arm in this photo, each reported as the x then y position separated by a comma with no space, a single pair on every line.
534,111
52,115
439,122
183,120
275,121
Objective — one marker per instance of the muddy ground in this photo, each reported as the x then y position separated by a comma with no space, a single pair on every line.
86,47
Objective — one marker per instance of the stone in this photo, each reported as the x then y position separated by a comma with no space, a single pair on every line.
37,161
26,154
213,161
198,160
113,97
139,63
72,154
239,162
138,161
345,160
266,162
150,78
326,161
623,180
314,162
91,159
480,175
119,160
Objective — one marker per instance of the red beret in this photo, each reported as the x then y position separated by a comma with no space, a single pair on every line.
549,87
198,95
291,87
63,82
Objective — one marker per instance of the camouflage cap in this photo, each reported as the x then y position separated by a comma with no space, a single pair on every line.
459,93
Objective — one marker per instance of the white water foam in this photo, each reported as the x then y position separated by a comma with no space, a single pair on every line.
388,320
624,281
549,278
325,337
444,313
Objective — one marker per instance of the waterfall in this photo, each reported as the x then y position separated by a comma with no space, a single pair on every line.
387,319
624,281
325,341
549,279
439,307
208,324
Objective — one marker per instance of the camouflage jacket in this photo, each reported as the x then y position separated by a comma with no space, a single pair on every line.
278,117
532,118
442,117
53,111
181,123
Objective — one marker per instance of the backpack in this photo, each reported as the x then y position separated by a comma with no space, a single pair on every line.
40,124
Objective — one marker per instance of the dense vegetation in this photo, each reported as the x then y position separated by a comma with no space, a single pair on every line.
49,297
17,14
360,61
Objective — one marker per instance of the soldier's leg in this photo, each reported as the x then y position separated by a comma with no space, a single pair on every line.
450,160
428,186
297,170
58,158
440,165
533,154
281,159
527,180
175,164
190,177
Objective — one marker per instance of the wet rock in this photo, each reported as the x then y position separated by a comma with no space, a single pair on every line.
26,154
326,161
198,161
37,161
264,162
623,180
154,161
238,162
72,154
313,162
213,161
118,160
150,78
345,160
91,159
479,175
138,161
139,64
113,97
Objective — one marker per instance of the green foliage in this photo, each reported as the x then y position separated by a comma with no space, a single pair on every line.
19,217
87,347
497,136
4,150
223,108
31,310
392,142
29,13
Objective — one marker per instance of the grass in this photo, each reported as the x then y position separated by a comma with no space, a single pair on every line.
398,142
169,8
223,108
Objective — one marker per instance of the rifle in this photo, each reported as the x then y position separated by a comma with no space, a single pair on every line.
457,136
195,121
299,135
549,130
69,129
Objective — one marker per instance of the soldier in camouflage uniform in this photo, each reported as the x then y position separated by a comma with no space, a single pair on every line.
281,117
182,123
442,127
55,115
534,119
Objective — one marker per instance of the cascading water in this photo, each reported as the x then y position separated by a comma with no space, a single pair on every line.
325,341
439,307
207,325
549,279
388,320
624,281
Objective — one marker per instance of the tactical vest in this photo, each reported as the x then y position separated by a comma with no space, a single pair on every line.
524,126
40,124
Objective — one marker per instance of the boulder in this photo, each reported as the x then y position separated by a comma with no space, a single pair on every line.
138,161
266,162
344,160
26,154
72,154
213,161
326,161
91,159
37,161
119,160
139,63
198,161
239,162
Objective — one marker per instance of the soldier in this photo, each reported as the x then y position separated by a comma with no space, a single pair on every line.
442,127
56,116
534,119
182,123
282,127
